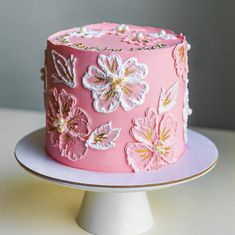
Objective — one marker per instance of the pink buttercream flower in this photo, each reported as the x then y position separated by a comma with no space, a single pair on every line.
67,125
116,82
181,60
156,146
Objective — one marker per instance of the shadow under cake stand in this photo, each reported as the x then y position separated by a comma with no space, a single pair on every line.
116,203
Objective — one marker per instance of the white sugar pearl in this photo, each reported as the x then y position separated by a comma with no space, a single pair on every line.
125,27
188,46
162,32
122,28
72,34
83,29
139,36
119,28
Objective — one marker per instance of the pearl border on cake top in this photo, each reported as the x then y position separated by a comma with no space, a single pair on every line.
148,40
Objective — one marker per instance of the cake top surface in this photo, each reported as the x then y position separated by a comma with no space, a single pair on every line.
116,37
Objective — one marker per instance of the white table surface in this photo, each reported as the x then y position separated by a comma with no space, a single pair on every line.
29,205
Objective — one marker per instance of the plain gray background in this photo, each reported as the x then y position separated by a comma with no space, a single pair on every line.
208,25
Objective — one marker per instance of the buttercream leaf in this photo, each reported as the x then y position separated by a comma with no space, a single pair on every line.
103,137
65,69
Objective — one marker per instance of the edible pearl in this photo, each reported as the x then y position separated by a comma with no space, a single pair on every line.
83,29
60,121
139,36
119,28
188,46
61,129
125,27
162,32
122,28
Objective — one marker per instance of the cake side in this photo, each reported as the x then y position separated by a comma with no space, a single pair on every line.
116,110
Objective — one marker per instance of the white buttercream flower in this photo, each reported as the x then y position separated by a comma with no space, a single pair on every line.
116,82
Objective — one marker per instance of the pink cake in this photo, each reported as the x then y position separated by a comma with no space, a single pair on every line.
116,97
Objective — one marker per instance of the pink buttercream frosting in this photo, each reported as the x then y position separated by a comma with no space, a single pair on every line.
107,36
101,87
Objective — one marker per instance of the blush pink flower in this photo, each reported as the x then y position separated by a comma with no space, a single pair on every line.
67,124
181,60
155,146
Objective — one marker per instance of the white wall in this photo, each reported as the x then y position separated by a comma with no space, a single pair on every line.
25,25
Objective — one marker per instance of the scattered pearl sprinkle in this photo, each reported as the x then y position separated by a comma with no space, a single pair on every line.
139,36
83,29
162,32
122,28
188,46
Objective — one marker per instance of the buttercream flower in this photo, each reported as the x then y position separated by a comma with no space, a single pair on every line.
85,32
116,82
67,124
156,146
82,32
139,38
186,111
181,60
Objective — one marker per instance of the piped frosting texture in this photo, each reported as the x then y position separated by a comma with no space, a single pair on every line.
116,37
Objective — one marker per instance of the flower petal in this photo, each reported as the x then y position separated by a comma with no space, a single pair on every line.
66,102
138,156
106,101
155,163
54,137
60,103
168,98
134,70
78,123
145,130
167,128
103,137
72,147
133,94
167,135
94,79
110,64
181,60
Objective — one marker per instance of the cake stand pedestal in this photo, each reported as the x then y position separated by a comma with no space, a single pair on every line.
116,203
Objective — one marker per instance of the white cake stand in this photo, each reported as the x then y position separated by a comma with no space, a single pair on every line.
116,203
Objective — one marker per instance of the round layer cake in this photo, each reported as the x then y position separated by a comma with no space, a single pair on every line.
116,97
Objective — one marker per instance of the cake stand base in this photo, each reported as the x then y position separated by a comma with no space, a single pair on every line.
107,213
116,203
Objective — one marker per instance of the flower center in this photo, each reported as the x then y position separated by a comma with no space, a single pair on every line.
161,149
117,82
60,124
